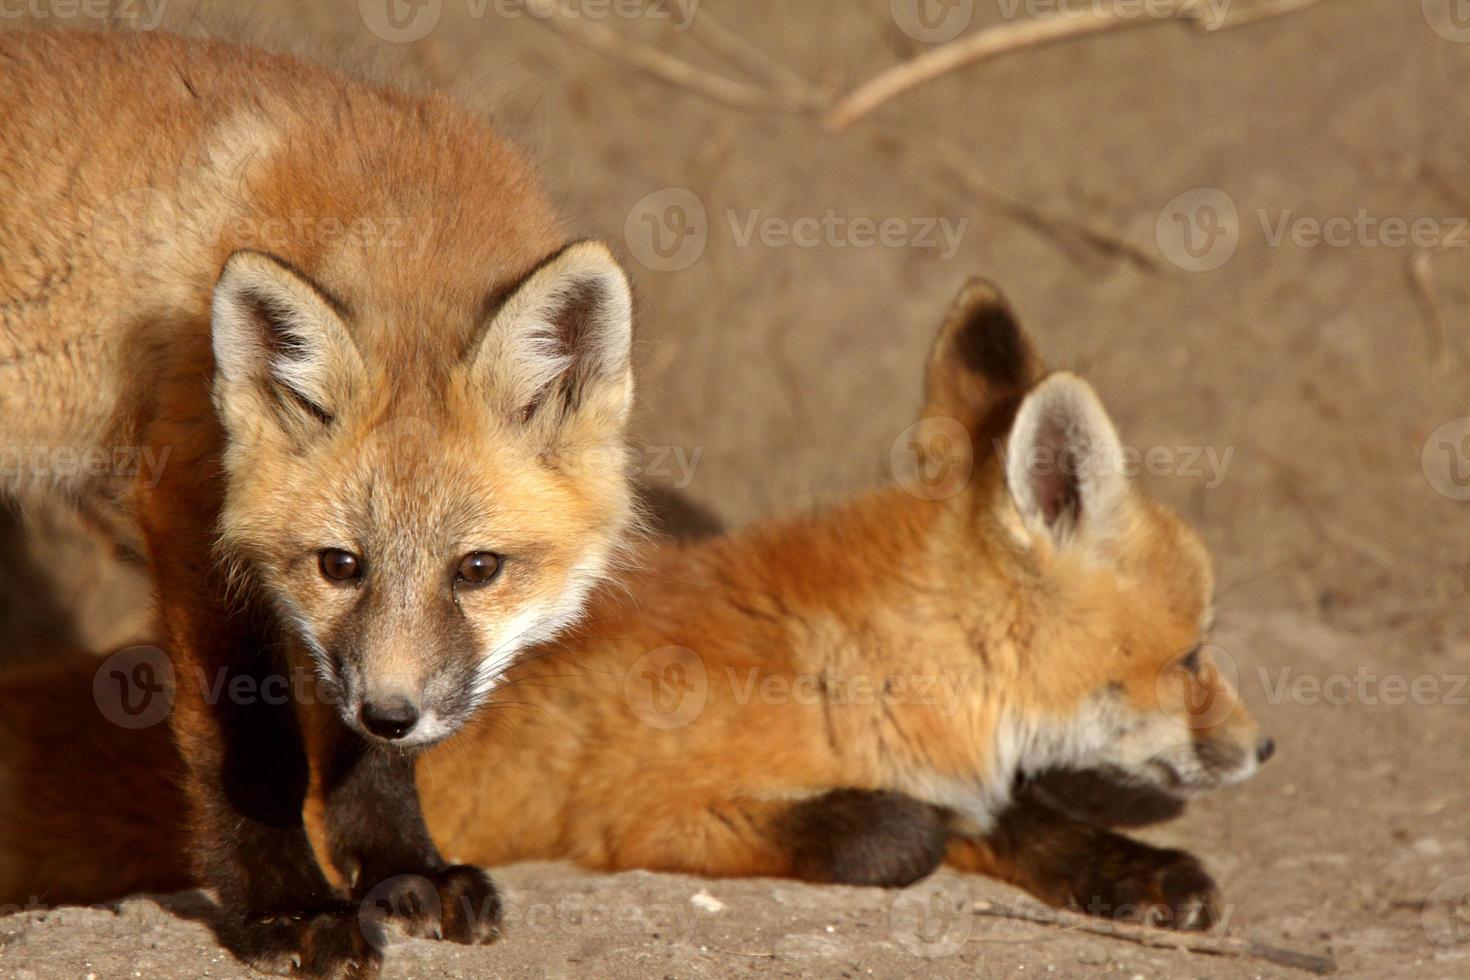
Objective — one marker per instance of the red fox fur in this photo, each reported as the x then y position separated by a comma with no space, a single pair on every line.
851,697
367,370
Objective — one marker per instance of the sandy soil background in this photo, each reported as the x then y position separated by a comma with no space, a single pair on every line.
1308,402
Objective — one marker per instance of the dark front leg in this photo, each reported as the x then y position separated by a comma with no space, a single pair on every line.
378,841
246,781
1071,864
245,766
863,837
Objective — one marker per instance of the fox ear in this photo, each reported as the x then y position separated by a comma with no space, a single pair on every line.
559,349
982,358
279,343
1064,464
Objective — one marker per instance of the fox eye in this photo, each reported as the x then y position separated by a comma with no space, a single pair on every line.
478,568
340,566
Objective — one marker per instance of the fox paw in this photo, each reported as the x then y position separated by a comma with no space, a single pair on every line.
1161,888
458,903
322,944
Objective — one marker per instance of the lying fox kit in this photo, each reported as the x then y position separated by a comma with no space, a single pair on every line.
849,698
377,372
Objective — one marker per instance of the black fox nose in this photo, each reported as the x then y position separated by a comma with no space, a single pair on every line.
1265,749
390,718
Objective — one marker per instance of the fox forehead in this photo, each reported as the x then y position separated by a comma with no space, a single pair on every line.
402,239
414,485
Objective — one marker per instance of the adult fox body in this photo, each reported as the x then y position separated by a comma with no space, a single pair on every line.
347,319
929,651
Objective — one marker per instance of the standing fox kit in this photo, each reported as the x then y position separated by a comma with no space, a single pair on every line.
344,322
852,697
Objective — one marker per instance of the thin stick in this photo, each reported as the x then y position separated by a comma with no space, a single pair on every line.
677,71
1070,231
736,48
1007,38
1162,938
968,50
1291,483
1421,280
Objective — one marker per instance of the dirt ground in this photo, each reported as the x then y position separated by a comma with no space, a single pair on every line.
1244,304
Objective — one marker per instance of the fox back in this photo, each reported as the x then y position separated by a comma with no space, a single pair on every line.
340,317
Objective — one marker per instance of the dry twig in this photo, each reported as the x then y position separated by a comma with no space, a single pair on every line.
1007,38
1209,945
677,71
755,61
1070,232
1421,280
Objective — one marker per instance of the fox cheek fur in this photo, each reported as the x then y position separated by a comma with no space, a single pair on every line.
513,453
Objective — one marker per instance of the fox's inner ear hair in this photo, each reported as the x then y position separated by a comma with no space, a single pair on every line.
1064,464
982,359
561,343
277,334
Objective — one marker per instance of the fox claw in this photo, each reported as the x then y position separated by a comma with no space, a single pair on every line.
322,944
1160,888
458,904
